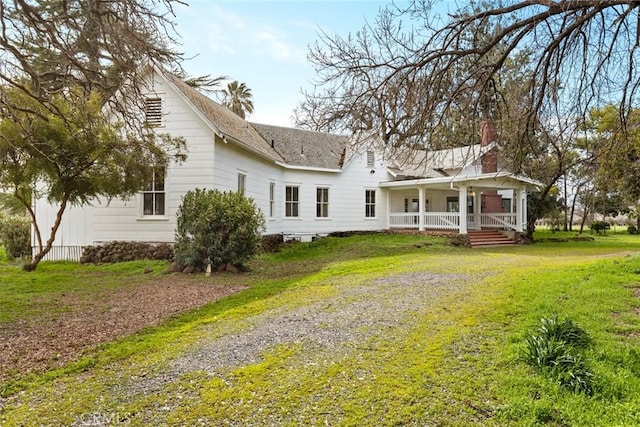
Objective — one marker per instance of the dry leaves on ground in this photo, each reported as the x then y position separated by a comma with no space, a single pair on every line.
41,343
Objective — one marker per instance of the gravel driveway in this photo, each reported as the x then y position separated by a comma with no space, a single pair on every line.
335,326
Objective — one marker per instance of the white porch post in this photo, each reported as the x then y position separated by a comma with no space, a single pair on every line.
420,208
523,211
462,205
477,202
520,208
388,208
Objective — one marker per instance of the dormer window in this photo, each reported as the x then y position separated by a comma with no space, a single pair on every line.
153,111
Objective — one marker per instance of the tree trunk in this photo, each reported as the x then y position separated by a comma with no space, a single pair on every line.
33,264
573,206
534,214
584,218
565,203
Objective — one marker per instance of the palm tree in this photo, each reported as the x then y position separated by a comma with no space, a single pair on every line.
237,97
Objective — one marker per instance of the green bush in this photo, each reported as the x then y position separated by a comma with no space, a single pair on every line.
15,235
217,227
632,229
600,226
556,350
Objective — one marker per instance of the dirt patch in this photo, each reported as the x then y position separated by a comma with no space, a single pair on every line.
39,344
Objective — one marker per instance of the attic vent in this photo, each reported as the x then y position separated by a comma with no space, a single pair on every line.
153,111
371,159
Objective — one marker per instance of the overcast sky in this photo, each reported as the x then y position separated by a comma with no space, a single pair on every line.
264,44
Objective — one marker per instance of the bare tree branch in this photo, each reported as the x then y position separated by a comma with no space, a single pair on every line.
580,54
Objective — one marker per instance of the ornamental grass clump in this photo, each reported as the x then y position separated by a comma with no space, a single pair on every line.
556,349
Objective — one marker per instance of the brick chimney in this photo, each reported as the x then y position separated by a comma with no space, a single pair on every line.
489,134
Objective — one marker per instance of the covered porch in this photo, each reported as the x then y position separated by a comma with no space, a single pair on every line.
460,204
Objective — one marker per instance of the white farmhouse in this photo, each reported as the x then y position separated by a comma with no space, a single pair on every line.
306,183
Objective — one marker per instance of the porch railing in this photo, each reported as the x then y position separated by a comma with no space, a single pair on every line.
404,220
432,220
442,220
498,220
451,220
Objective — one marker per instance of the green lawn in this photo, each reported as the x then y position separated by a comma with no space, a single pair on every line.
457,363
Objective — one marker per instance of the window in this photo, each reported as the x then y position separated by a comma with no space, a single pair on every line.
506,205
153,111
242,182
272,201
322,202
371,159
153,196
370,203
453,205
411,205
291,201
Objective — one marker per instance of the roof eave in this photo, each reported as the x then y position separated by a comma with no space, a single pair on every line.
462,178
307,168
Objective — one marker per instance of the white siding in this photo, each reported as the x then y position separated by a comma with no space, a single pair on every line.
123,220
74,228
346,199
213,163
231,160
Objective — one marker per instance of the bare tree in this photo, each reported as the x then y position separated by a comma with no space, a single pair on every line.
101,46
414,75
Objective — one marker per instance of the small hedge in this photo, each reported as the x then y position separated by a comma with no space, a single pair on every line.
600,226
15,235
217,228
272,242
118,251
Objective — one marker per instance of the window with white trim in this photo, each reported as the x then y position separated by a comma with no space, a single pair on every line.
272,199
370,203
453,204
322,202
242,182
153,195
153,111
292,201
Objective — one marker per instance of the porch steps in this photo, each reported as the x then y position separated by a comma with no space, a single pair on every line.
485,238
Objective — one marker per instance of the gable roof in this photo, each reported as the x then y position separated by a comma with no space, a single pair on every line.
224,120
431,164
305,148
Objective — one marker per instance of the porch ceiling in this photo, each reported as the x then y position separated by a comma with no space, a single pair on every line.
500,180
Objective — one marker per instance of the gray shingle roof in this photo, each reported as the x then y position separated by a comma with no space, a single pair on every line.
292,146
433,163
225,120
305,148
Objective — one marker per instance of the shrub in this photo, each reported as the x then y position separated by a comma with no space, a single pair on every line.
217,227
15,234
556,350
600,226
632,229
